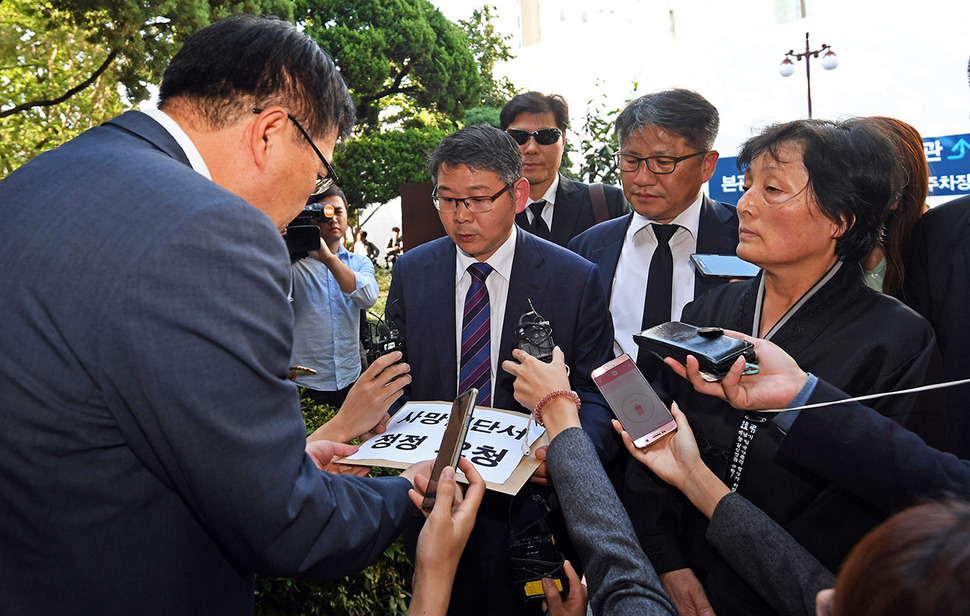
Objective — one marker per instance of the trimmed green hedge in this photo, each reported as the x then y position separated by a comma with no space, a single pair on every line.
383,589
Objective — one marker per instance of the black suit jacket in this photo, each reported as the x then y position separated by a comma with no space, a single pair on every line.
938,287
573,211
153,447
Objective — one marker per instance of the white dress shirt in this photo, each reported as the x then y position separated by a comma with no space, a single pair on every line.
497,284
630,280
180,136
547,209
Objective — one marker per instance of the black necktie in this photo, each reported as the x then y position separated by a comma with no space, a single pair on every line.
656,303
539,226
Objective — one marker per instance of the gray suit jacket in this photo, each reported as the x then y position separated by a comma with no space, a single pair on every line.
153,446
769,559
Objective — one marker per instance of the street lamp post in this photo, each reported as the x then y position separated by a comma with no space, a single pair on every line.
829,62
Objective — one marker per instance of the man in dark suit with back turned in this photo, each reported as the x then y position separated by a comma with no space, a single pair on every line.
558,209
937,286
666,140
154,454
490,271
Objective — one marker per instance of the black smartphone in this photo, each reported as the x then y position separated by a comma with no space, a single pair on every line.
452,441
633,401
724,266
715,351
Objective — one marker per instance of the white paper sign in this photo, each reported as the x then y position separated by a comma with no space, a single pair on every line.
493,443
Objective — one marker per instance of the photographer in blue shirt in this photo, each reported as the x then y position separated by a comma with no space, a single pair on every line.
330,288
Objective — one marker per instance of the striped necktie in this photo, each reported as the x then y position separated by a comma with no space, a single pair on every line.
476,347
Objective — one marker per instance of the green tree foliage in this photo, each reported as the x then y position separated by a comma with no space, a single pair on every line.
597,144
65,63
483,115
37,65
386,48
489,47
377,164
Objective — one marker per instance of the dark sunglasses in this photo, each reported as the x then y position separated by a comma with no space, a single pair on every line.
543,136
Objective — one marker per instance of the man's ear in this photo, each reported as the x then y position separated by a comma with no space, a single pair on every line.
265,133
709,164
520,192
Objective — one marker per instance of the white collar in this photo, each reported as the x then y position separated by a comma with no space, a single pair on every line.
182,138
500,261
550,194
689,219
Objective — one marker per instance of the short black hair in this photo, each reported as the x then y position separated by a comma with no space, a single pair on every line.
850,168
244,62
482,147
535,102
334,190
679,111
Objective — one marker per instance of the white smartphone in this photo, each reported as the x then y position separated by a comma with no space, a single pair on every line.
643,415
451,442
724,266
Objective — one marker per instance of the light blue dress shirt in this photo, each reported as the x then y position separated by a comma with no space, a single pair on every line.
326,332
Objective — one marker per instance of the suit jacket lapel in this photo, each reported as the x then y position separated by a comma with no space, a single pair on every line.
607,254
566,211
524,285
438,303
144,127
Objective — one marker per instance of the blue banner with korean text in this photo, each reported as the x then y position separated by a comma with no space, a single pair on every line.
948,158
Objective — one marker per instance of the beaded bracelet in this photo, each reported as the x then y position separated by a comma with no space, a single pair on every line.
559,393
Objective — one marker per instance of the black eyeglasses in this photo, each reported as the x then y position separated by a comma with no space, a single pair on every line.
543,136
323,183
661,165
477,205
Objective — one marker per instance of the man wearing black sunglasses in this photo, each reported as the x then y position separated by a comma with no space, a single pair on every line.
559,209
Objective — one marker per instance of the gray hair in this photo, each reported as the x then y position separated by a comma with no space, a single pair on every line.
682,112
482,147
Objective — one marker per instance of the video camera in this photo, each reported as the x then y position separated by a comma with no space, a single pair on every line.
302,236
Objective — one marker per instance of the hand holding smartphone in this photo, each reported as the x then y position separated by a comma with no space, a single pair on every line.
643,415
451,442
